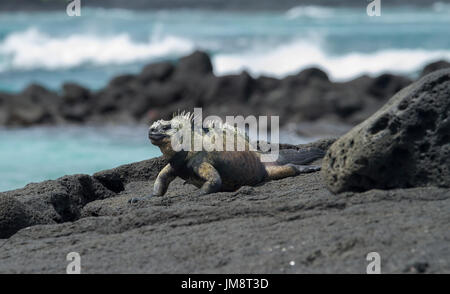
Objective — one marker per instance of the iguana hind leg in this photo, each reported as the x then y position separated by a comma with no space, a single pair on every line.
276,172
213,182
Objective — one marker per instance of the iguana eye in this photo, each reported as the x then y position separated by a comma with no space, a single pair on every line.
166,127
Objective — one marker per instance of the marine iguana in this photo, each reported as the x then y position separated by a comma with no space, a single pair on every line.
214,171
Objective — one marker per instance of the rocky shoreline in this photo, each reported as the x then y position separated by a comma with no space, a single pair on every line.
294,225
164,88
384,187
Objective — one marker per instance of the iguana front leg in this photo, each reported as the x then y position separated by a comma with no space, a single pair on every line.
213,182
164,178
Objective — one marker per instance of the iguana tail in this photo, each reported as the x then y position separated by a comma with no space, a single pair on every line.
299,157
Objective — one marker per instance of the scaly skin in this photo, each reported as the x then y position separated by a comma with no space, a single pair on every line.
215,171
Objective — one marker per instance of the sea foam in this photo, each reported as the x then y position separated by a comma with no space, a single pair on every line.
297,55
33,49
309,11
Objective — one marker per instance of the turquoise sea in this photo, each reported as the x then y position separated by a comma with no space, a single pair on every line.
37,154
51,48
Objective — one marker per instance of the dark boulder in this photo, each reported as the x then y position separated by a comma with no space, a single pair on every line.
145,170
229,88
404,144
5,100
343,102
310,76
313,73
34,105
266,84
153,96
386,85
73,93
75,102
161,94
13,216
122,80
116,99
59,200
197,63
441,64
38,94
156,72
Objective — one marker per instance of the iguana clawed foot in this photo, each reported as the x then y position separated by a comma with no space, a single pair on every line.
303,169
148,197
139,199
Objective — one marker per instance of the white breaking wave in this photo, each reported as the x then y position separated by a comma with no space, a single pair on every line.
310,11
33,49
295,56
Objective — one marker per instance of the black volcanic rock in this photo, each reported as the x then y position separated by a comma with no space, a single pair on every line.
156,72
74,93
13,216
387,84
163,88
312,73
229,88
195,63
441,64
404,144
145,170
293,225
265,84
161,94
122,80
34,105
76,102
5,111
53,201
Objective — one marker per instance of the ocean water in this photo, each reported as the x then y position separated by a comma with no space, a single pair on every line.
41,153
37,154
51,48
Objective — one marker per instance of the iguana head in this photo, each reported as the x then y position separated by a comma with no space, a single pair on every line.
163,133
159,132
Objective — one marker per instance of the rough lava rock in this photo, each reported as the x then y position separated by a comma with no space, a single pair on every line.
404,144
293,225
195,63
434,66
50,202
163,88
13,216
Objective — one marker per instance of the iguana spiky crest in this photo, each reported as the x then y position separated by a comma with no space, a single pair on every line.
206,133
